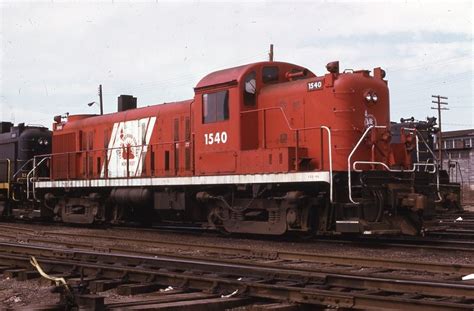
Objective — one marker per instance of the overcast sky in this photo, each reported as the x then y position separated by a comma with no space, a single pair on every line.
55,54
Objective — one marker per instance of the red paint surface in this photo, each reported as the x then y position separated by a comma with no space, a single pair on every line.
281,133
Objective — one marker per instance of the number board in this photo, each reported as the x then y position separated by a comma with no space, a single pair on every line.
215,138
315,85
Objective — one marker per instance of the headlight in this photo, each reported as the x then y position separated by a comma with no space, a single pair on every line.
46,142
40,141
370,96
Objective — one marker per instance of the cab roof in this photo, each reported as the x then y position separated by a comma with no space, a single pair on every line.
235,74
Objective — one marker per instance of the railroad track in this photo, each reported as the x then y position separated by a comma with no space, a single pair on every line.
454,225
433,241
246,282
461,216
448,240
110,244
336,264
458,227
462,234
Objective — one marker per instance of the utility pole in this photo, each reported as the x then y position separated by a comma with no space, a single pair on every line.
270,55
100,100
440,135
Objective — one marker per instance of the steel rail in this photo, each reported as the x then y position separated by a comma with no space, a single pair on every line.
425,242
247,252
280,284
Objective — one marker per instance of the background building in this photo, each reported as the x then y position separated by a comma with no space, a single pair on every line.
458,159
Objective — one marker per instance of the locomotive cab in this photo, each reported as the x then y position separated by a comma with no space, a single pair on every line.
231,121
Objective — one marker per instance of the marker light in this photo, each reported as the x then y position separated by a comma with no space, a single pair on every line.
374,97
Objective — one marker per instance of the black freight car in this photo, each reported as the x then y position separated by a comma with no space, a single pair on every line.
18,145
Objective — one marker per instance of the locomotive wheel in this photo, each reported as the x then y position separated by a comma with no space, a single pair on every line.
118,215
373,212
215,219
408,223
5,210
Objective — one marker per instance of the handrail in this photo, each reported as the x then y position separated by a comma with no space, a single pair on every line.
415,165
19,170
330,162
271,108
435,160
107,150
297,130
411,170
325,128
367,130
114,148
457,168
285,117
427,146
28,178
417,141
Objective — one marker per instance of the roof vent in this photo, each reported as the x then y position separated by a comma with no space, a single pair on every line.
5,127
333,67
126,102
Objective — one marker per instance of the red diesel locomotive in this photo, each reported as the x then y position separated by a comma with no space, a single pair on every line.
262,148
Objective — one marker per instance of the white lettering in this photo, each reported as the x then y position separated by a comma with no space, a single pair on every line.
215,138
315,85
224,137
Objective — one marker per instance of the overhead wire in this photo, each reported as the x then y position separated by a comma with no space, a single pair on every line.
426,64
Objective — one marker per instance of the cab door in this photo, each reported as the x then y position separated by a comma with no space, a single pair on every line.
249,130
216,117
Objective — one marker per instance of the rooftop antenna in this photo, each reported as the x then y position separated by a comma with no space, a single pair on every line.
101,105
100,100
270,54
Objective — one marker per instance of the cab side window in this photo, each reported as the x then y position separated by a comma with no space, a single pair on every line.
270,74
250,89
215,107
